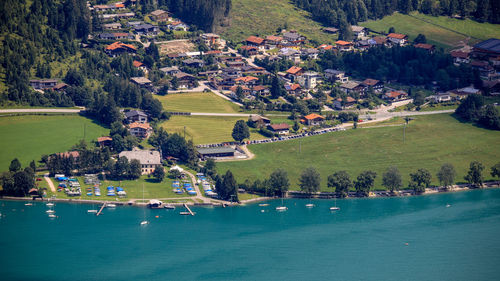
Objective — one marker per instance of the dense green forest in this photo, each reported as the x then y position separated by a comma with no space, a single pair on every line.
341,13
204,14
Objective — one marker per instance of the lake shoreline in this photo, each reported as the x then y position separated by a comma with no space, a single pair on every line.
290,195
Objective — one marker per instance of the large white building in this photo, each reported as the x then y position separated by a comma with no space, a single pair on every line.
149,159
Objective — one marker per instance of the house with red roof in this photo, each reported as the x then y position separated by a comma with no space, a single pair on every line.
344,45
246,80
118,48
397,38
428,47
293,89
294,72
104,141
394,96
376,85
255,42
312,119
460,57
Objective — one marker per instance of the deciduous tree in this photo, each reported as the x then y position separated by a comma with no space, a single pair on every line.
475,174
364,182
310,180
446,175
341,181
392,179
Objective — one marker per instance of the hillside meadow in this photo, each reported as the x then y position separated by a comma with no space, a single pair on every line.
430,141
28,137
197,102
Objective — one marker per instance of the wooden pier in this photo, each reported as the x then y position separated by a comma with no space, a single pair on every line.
189,210
100,210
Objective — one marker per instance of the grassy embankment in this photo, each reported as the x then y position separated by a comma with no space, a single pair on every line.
197,102
259,17
430,141
31,136
442,31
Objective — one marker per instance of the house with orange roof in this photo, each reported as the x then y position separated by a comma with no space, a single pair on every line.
104,141
294,72
246,80
118,48
344,45
140,130
397,38
428,47
340,104
250,50
393,96
313,119
255,42
376,85
273,41
140,65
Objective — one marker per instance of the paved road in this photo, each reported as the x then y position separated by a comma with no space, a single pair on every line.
41,110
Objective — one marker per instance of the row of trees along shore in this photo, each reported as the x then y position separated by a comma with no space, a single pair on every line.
340,181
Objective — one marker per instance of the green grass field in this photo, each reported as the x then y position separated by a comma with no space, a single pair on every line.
436,29
430,141
152,189
256,17
31,136
206,129
197,102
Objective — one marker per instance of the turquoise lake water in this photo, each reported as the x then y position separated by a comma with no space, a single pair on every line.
365,240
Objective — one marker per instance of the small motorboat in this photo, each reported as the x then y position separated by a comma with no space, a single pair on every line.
50,211
334,208
49,204
92,211
309,205
28,204
52,216
111,205
448,205
281,208
263,205
144,222
170,207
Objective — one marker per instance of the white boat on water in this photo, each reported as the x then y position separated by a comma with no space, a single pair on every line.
52,216
334,208
49,204
28,204
281,208
144,222
92,211
185,213
111,205
50,211
309,205
263,205
170,207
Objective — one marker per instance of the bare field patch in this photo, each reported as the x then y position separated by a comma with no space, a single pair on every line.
175,46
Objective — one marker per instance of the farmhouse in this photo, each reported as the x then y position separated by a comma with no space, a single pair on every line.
359,31
104,141
487,48
396,38
136,116
428,47
340,104
281,129
313,119
336,75
259,121
395,96
118,48
460,57
43,84
142,81
215,152
149,159
160,15
255,42
331,30
344,45
376,85
140,130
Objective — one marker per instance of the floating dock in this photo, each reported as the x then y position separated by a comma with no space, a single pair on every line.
102,208
189,210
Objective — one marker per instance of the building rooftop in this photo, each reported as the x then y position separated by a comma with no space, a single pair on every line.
491,45
215,150
144,156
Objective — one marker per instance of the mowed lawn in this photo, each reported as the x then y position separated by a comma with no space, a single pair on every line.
259,17
31,136
134,189
197,102
436,29
430,141
206,129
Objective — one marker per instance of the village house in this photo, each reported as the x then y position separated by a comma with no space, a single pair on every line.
140,130
136,116
486,71
336,75
118,48
325,47
250,50
364,45
293,72
247,80
142,81
215,152
281,129
428,47
178,25
331,30
376,85
394,96
117,16
170,71
108,8
196,63
293,89
67,154
358,31
313,119
114,25
460,57
340,104
380,41
255,41
398,39
293,37
462,93
140,66
213,41
290,54
258,121
254,70
308,80
149,159
353,87
273,41
185,81
60,87
344,46
115,36
310,53
439,97
104,141
260,90
146,29
43,84
160,16
487,49
244,89
235,64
